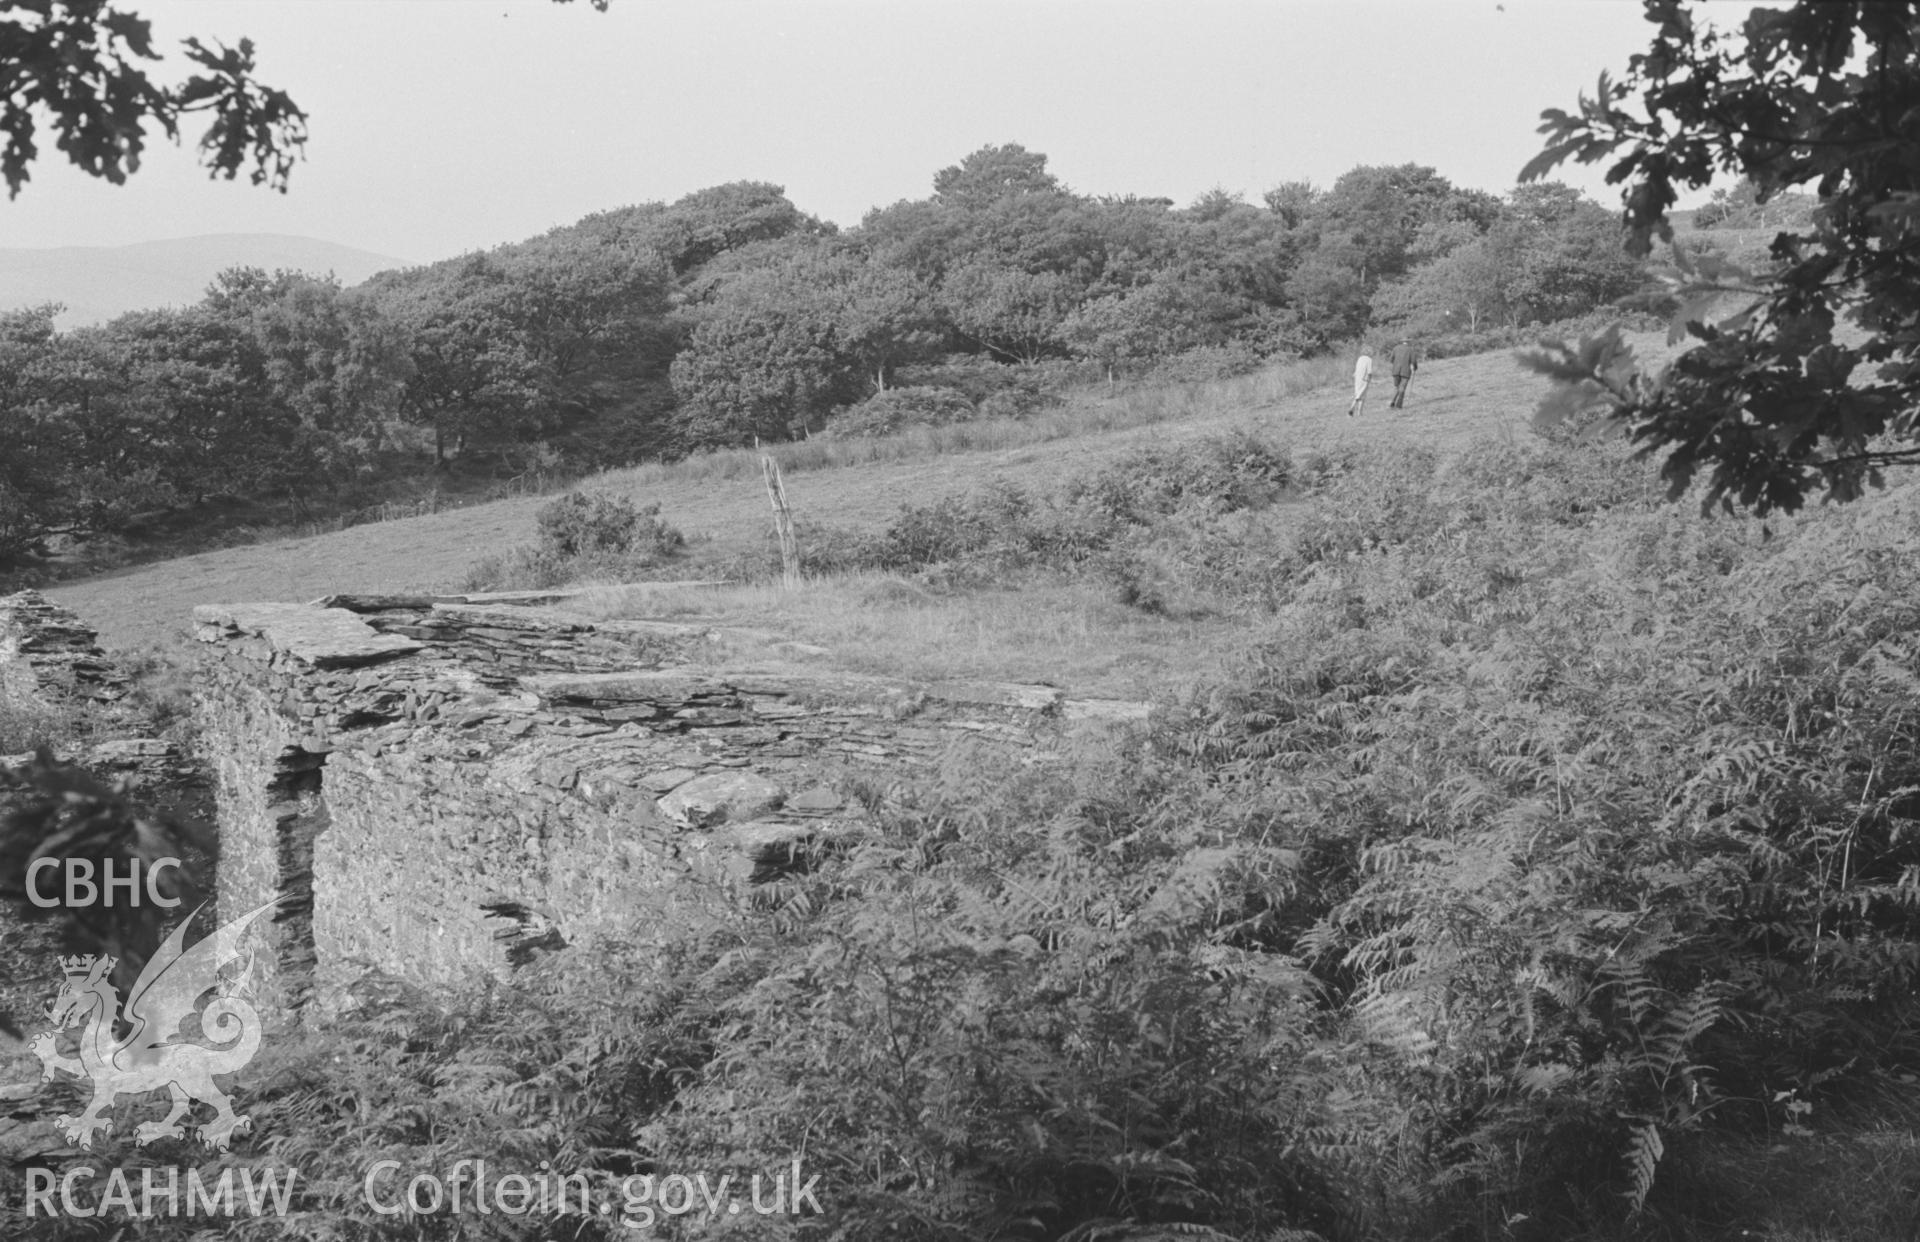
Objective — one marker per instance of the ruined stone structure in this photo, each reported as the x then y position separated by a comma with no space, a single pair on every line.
437,787
50,664
47,655
50,659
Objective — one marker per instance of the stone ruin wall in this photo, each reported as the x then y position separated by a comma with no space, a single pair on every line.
436,787
49,660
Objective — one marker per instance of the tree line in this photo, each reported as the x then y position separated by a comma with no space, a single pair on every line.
731,315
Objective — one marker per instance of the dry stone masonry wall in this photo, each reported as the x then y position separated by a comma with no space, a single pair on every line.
51,663
436,787
50,660
48,655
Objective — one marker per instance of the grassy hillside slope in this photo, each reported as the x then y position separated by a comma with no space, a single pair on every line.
1453,403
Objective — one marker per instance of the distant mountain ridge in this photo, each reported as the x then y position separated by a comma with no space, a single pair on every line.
96,283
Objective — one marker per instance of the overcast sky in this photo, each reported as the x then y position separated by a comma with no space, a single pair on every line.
440,126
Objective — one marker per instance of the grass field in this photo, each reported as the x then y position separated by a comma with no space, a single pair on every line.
1039,629
1065,634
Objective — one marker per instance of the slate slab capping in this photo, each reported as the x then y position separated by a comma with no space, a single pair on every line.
316,637
383,603
513,620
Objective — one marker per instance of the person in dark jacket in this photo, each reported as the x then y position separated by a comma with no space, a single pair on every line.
1406,360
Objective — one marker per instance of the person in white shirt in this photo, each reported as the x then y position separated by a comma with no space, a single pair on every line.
1362,376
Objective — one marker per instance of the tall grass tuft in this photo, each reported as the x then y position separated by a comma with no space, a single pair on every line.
27,726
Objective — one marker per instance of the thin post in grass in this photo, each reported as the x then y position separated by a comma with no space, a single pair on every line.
782,523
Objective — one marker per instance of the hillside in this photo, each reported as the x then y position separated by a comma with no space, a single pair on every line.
1467,723
96,283
1453,403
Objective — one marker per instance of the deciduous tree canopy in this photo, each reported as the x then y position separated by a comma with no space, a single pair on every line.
75,64
1778,401
729,315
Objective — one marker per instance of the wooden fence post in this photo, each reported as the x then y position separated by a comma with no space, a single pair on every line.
782,523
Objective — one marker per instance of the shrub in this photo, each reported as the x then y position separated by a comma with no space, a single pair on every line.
945,530
1220,474
582,537
1613,819
1207,362
1003,528
824,549
1386,500
996,389
1639,315
1356,506
1034,1010
1193,568
1019,401
579,525
897,409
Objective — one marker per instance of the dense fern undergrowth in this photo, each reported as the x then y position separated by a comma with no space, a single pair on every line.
1551,859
